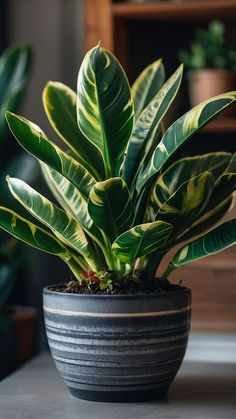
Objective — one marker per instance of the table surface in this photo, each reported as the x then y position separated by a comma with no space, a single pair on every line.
205,387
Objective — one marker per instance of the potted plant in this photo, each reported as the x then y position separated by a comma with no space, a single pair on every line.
211,63
117,332
15,66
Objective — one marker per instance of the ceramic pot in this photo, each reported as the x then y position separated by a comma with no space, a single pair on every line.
118,348
211,82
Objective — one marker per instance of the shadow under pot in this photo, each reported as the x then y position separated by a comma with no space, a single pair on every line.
118,348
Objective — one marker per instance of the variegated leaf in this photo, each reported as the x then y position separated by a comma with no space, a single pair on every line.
147,123
232,165
71,201
207,221
182,208
105,107
62,224
225,185
22,165
110,207
219,202
147,85
221,197
181,130
183,170
31,234
141,240
60,106
211,243
33,140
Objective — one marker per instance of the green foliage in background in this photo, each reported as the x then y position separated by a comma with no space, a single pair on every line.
210,49
121,205
15,66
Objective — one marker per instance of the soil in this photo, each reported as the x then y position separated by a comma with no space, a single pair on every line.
127,287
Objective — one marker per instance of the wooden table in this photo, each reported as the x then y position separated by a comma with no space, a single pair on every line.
203,389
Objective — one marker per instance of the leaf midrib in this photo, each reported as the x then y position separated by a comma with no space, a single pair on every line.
105,148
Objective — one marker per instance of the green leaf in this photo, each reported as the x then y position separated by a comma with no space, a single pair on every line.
181,130
220,199
183,170
31,234
147,85
15,65
182,208
110,207
33,140
225,185
141,240
71,201
105,107
62,224
60,106
213,242
22,165
147,123
207,221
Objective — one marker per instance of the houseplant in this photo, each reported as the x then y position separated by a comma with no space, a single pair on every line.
15,67
211,63
116,332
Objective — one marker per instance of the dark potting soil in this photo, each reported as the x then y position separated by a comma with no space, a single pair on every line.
127,287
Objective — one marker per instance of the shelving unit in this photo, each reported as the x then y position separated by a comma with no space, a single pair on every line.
227,125
173,10
109,21
139,33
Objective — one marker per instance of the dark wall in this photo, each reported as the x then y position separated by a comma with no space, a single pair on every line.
2,24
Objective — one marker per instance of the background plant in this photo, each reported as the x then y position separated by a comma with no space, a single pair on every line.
123,205
210,49
15,66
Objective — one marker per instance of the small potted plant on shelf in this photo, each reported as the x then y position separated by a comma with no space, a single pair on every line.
211,63
117,332
16,323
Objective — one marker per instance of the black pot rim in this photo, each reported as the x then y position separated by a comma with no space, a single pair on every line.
181,289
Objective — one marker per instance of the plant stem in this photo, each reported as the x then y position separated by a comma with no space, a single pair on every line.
140,203
81,261
75,268
111,260
168,271
152,263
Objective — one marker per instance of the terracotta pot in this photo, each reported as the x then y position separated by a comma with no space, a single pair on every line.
17,329
211,82
25,319
118,347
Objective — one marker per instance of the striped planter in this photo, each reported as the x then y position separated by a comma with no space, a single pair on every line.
118,348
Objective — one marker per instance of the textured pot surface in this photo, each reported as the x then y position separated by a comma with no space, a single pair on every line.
118,348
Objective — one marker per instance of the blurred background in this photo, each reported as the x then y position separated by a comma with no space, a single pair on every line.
138,32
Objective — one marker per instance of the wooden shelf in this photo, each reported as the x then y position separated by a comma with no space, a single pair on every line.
221,124
109,22
172,10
